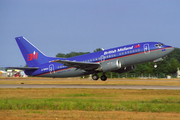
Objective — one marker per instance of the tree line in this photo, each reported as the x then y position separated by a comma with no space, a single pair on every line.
72,54
168,66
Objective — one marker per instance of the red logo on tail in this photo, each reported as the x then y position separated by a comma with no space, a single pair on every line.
32,56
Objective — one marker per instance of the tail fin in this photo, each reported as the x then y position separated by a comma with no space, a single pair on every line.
32,55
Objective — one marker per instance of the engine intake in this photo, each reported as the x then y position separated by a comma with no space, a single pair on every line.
110,65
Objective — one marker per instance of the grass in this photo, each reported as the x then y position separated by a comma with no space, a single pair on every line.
84,115
90,100
90,105
80,104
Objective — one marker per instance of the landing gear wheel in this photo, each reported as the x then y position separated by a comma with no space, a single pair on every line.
155,66
95,77
103,78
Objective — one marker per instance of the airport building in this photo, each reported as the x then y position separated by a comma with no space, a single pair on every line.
11,73
178,73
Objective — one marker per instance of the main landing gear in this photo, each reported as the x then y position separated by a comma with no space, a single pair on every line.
96,77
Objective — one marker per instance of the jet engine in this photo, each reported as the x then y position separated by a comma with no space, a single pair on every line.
125,69
110,65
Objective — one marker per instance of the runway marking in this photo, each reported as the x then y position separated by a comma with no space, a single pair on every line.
92,86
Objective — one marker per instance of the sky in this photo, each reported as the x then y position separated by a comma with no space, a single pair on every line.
63,26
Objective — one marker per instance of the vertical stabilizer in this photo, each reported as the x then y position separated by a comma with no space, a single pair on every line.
32,55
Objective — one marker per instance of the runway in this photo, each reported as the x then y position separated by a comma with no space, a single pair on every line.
91,86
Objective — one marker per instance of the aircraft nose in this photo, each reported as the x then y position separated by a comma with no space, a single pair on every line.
171,49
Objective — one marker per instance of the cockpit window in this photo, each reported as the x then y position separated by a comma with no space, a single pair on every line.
159,45
156,45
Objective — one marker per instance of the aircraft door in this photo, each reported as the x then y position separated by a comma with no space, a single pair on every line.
51,68
102,58
146,49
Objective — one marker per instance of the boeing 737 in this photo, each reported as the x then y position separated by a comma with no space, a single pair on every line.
119,59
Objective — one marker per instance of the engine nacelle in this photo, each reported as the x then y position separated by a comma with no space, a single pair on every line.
110,65
125,69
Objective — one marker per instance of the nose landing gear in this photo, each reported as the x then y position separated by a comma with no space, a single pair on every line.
155,66
157,60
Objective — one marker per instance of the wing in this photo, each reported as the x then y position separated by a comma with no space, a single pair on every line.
24,68
79,65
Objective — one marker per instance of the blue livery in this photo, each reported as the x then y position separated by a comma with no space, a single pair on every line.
119,59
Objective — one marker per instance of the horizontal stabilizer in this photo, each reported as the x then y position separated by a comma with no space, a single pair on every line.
24,68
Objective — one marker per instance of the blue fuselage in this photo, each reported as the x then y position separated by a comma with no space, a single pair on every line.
127,56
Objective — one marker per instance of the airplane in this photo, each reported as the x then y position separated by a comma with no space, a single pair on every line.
119,59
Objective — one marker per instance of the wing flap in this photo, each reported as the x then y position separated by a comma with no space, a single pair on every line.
79,65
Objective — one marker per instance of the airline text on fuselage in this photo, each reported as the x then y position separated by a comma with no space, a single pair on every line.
118,50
